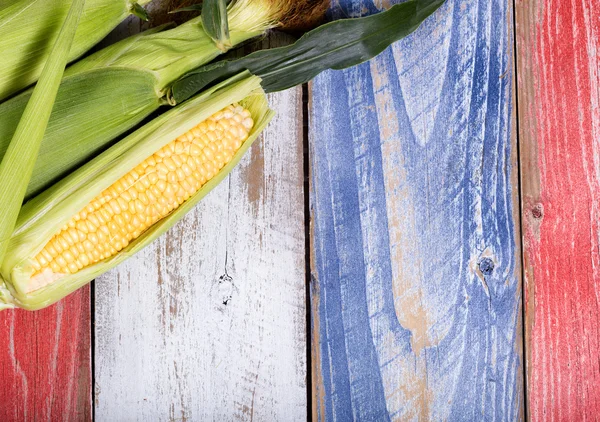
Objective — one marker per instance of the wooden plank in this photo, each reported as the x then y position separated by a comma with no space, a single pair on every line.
416,291
208,323
45,362
559,121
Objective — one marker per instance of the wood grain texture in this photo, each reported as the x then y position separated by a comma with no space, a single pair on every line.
45,362
416,291
559,117
208,323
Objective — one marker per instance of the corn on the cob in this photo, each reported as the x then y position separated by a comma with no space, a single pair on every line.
111,91
127,196
28,29
146,194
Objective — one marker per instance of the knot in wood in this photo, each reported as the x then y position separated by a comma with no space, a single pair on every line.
486,266
537,211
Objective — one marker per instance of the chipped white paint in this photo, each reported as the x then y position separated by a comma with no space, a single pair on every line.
208,322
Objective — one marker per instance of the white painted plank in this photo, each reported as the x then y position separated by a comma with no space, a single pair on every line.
208,323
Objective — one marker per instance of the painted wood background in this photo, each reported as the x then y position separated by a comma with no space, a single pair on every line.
559,115
415,305
45,362
416,291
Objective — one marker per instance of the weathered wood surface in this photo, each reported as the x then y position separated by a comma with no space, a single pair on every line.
416,291
416,298
45,367
209,322
559,116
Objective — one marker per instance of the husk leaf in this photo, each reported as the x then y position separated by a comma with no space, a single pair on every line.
91,109
335,45
29,28
214,20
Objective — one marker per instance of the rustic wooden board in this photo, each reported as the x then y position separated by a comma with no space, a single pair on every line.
45,362
416,291
559,118
209,322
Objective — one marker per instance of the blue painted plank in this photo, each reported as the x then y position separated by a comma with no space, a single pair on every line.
416,290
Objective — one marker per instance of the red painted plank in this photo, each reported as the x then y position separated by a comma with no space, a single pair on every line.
45,362
559,95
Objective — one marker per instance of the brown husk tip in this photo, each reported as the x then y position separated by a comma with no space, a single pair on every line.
287,15
301,15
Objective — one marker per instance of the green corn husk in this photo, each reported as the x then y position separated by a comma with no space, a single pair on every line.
41,217
113,90
68,140
28,30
